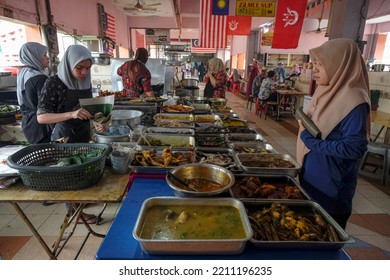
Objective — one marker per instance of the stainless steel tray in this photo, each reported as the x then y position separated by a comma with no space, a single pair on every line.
137,167
244,159
211,140
245,137
176,117
181,109
192,246
202,154
209,130
178,141
201,108
168,130
252,147
304,208
208,120
244,187
241,129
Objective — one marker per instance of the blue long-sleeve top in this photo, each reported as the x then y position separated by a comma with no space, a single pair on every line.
330,169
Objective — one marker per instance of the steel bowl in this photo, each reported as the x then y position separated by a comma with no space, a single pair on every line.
212,172
108,139
131,118
189,83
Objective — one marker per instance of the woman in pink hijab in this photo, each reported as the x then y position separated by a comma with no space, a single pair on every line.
340,108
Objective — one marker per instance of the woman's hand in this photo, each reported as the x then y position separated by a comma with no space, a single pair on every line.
81,114
301,126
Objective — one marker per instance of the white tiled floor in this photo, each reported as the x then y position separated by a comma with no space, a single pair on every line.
368,200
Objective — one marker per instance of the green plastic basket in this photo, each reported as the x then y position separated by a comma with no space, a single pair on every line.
34,166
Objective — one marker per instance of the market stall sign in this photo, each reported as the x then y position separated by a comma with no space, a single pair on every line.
266,39
255,8
157,36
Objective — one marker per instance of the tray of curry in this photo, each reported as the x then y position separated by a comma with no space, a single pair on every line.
293,224
168,225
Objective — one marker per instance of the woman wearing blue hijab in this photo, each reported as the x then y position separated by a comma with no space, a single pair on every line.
59,102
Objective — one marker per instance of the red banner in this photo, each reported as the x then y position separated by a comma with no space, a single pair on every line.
238,25
288,23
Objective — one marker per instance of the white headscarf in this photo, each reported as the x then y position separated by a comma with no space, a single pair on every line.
73,56
31,55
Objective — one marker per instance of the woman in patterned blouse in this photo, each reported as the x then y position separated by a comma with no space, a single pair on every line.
216,79
136,77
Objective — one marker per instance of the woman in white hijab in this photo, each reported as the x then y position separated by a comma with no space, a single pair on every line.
340,108
30,81
59,102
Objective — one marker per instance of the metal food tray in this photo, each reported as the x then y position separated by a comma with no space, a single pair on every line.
245,137
201,108
202,138
190,154
192,246
233,166
170,130
207,120
302,206
174,117
243,157
235,146
182,142
166,109
269,179
209,130
241,129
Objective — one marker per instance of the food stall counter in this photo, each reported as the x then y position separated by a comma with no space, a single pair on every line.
119,243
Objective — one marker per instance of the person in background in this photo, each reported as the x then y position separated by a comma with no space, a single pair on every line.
136,77
202,71
281,72
215,79
340,108
257,82
253,73
235,77
59,102
268,90
30,81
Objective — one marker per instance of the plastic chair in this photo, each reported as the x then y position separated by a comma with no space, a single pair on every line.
235,88
376,157
267,107
251,100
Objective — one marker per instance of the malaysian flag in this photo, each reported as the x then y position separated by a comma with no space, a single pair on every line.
196,49
212,28
110,32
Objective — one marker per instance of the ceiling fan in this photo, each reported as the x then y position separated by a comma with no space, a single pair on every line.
140,8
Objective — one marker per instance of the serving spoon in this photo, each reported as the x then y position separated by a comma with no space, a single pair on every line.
190,186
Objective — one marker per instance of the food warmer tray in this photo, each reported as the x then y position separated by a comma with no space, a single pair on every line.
177,109
232,166
301,207
209,130
182,142
238,147
241,129
211,140
176,117
278,181
244,158
136,167
245,137
208,120
192,246
170,130
201,109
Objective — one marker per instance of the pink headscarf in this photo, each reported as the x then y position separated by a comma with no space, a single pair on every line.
348,87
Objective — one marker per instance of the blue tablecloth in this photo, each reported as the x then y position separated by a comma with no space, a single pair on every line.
119,244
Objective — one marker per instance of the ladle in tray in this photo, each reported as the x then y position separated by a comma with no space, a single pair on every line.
190,186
